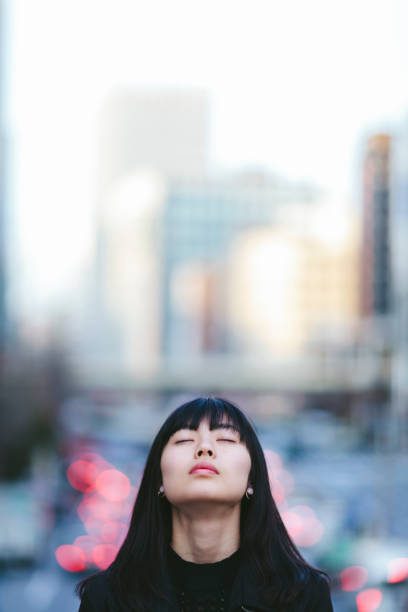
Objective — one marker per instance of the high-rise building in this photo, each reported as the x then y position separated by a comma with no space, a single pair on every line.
399,259
290,294
203,218
133,273
375,250
146,137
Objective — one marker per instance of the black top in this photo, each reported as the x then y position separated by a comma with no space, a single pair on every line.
203,587
244,595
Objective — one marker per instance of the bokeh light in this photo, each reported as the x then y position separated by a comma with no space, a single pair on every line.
104,554
302,525
113,532
81,475
398,569
71,558
95,506
368,600
87,544
293,523
83,472
277,490
113,485
105,508
281,481
353,578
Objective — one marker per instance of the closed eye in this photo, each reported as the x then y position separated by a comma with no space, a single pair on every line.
220,440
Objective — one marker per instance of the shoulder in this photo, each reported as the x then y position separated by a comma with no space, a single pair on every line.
97,593
317,593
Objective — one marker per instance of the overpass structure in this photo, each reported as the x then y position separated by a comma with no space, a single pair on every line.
322,373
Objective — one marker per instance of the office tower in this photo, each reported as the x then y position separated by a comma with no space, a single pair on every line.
375,258
133,271
291,294
146,138
399,260
203,219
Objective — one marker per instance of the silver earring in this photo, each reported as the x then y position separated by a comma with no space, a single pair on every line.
249,492
160,492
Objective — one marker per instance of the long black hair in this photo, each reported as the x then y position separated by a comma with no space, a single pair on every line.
138,576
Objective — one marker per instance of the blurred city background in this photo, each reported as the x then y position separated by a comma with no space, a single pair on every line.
195,198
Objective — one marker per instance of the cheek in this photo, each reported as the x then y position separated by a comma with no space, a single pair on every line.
170,465
245,465
239,467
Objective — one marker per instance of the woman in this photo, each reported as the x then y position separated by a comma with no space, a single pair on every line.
205,533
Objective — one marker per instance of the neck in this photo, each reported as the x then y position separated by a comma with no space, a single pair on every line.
207,537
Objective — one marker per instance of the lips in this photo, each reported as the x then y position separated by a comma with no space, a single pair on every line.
205,467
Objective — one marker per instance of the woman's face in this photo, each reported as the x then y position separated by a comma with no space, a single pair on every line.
222,478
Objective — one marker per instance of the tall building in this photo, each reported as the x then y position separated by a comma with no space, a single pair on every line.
290,294
375,255
133,273
203,218
146,137
399,259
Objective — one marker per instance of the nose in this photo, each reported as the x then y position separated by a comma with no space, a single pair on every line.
204,448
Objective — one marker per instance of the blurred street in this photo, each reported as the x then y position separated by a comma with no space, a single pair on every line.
320,467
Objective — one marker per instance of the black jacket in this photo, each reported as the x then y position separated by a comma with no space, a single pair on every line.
98,596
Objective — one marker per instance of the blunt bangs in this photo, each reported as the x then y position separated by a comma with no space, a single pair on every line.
215,410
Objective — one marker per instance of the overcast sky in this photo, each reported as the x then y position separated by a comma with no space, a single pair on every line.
302,81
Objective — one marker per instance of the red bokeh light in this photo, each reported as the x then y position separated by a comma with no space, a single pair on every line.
95,506
127,508
71,558
281,481
104,554
113,532
293,523
105,510
83,472
302,525
97,460
398,569
87,543
278,491
368,600
113,485
83,510
93,526
353,578
81,475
